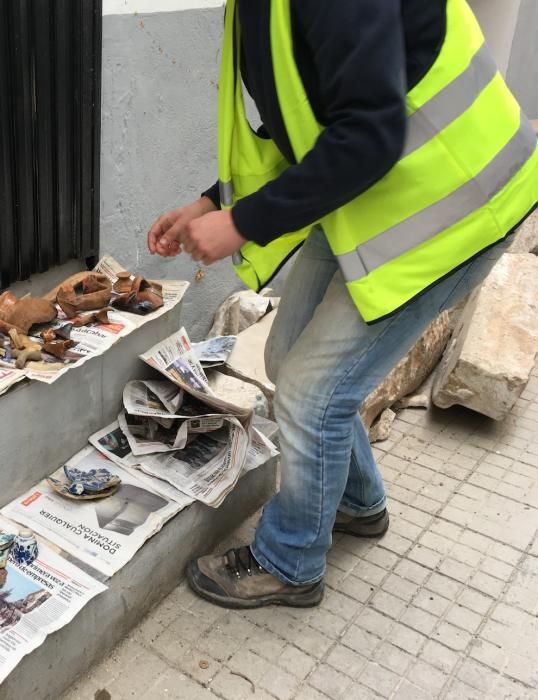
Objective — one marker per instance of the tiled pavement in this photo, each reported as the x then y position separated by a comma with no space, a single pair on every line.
444,606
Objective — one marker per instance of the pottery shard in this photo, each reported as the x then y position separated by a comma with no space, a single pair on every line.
410,372
22,314
493,350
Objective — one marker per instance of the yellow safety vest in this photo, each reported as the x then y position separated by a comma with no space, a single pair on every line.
467,177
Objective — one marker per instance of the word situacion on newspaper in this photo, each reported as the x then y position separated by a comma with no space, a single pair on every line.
38,599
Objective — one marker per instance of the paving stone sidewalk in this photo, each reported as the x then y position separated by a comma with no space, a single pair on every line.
444,606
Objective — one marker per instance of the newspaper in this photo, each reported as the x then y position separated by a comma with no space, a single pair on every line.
201,470
209,465
93,340
214,352
104,534
149,423
38,599
8,377
175,358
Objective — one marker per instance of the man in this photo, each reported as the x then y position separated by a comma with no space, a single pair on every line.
393,150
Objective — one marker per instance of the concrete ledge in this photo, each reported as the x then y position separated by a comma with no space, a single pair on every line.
146,580
42,426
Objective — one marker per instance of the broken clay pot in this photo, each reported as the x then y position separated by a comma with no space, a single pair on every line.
22,314
137,295
92,292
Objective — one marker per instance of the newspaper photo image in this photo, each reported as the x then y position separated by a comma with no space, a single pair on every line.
38,599
199,472
150,427
214,352
105,533
165,357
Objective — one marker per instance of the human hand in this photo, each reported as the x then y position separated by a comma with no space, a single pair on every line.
211,237
164,235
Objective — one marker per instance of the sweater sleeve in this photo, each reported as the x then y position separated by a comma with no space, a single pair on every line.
213,193
357,50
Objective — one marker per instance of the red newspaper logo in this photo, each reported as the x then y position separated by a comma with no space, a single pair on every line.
114,328
28,501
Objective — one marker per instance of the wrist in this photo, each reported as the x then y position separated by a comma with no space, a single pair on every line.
205,205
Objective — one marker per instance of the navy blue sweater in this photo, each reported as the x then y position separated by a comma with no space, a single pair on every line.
357,59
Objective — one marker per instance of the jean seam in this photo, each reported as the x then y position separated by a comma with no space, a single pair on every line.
264,562
367,349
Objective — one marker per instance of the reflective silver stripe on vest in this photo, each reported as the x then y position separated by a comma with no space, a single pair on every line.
426,224
226,190
449,104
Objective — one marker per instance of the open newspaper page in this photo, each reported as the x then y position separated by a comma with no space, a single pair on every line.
113,443
175,358
104,533
89,341
200,470
149,425
8,377
38,599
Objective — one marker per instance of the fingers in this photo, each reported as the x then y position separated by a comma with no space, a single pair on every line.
154,234
169,244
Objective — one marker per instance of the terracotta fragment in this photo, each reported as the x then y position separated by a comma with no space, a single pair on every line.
93,292
24,356
141,296
22,314
58,348
86,319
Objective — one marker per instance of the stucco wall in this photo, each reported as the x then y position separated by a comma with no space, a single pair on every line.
498,19
523,66
160,74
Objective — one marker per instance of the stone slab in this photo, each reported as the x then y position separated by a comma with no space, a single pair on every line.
526,238
247,359
492,353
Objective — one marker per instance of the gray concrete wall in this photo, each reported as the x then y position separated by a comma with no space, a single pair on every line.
511,30
159,104
498,20
523,66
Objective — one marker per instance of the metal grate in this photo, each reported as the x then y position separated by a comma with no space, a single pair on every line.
50,93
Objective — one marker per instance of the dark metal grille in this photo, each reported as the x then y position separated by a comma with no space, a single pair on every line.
50,93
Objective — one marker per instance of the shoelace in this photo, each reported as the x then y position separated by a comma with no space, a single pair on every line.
241,561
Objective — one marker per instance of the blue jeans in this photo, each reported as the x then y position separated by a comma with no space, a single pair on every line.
324,361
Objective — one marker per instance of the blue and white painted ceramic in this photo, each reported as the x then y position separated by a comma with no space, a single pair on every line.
92,481
25,549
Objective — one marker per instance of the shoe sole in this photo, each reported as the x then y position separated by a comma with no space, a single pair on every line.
301,600
347,530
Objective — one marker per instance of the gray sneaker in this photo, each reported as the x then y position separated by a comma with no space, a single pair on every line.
370,526
236,580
